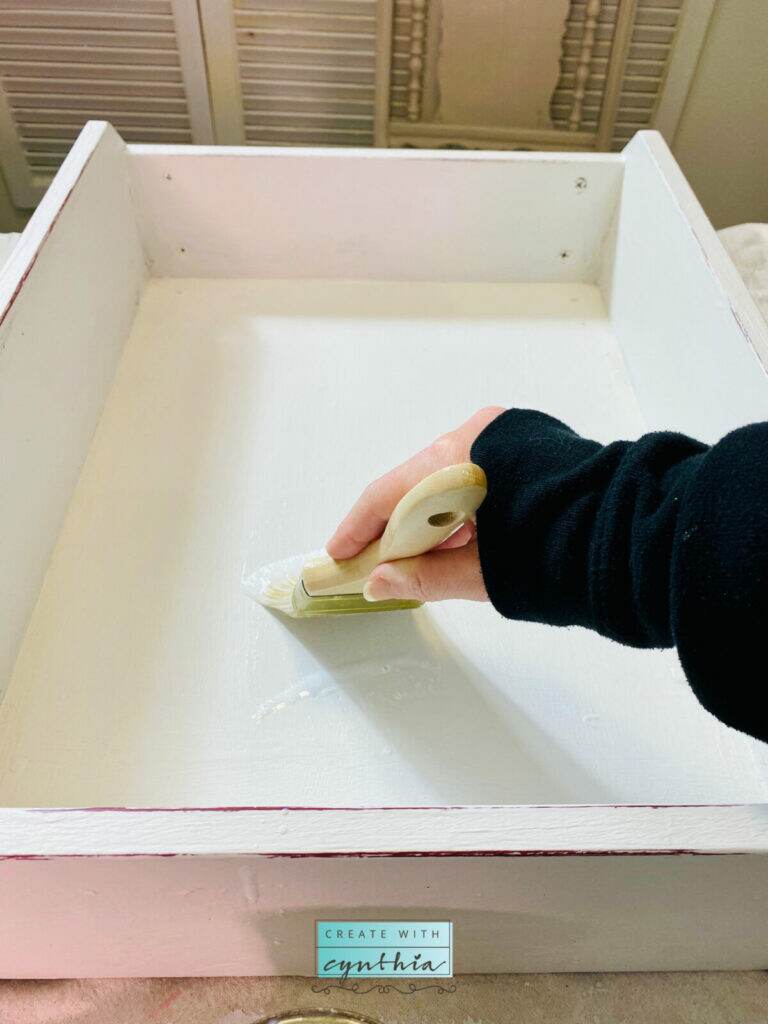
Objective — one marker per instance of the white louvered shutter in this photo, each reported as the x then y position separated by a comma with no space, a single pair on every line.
317,72
299,72
307,70
136,63
653,36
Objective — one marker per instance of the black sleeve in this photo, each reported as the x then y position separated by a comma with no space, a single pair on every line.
654,543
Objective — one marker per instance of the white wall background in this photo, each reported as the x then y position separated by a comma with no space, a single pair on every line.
11,219
722,139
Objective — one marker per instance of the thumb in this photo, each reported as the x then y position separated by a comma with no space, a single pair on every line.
436,576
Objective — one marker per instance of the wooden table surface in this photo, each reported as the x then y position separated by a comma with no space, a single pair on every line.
682,998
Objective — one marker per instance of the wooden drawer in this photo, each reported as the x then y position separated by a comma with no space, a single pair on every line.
195,340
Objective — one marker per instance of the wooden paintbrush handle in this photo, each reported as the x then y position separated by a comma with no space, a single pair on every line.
426,516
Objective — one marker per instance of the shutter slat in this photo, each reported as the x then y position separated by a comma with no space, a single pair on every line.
87,55
85,39
42,134
308,6
331,41
20,88
84,19
115,6
307,70
19,69
63,63
293,119
282,91
284,55
42,116
252,71
292,105
308,136
335,22
100,106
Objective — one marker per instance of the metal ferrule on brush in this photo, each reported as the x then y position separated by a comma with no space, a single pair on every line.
426,516
343,604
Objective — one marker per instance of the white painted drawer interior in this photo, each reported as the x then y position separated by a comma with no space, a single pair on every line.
211,355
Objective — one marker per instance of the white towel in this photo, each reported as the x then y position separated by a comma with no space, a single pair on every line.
747,245
7,245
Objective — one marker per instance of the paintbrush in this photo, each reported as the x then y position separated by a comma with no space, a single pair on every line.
426,516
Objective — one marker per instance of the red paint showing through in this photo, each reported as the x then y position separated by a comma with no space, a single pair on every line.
388,807
23,279
325,855
167,1002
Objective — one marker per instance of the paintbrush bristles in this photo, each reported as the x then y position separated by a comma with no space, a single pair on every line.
278,586
273,585
279,596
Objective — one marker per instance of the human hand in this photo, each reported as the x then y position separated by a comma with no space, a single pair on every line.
450,571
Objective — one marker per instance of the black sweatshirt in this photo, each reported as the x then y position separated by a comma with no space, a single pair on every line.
658,542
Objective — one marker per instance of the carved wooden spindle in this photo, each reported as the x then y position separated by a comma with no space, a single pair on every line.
585,61
416,58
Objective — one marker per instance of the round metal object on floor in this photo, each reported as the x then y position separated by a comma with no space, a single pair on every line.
316,1017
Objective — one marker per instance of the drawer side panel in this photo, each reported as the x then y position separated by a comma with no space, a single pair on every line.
67,300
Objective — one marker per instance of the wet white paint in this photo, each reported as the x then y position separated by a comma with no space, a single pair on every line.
244,419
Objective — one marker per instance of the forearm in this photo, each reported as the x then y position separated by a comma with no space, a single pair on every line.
656,542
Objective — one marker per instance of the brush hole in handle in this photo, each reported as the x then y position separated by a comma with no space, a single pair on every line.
442,519
425,517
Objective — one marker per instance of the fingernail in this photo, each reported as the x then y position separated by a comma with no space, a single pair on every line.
368,592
